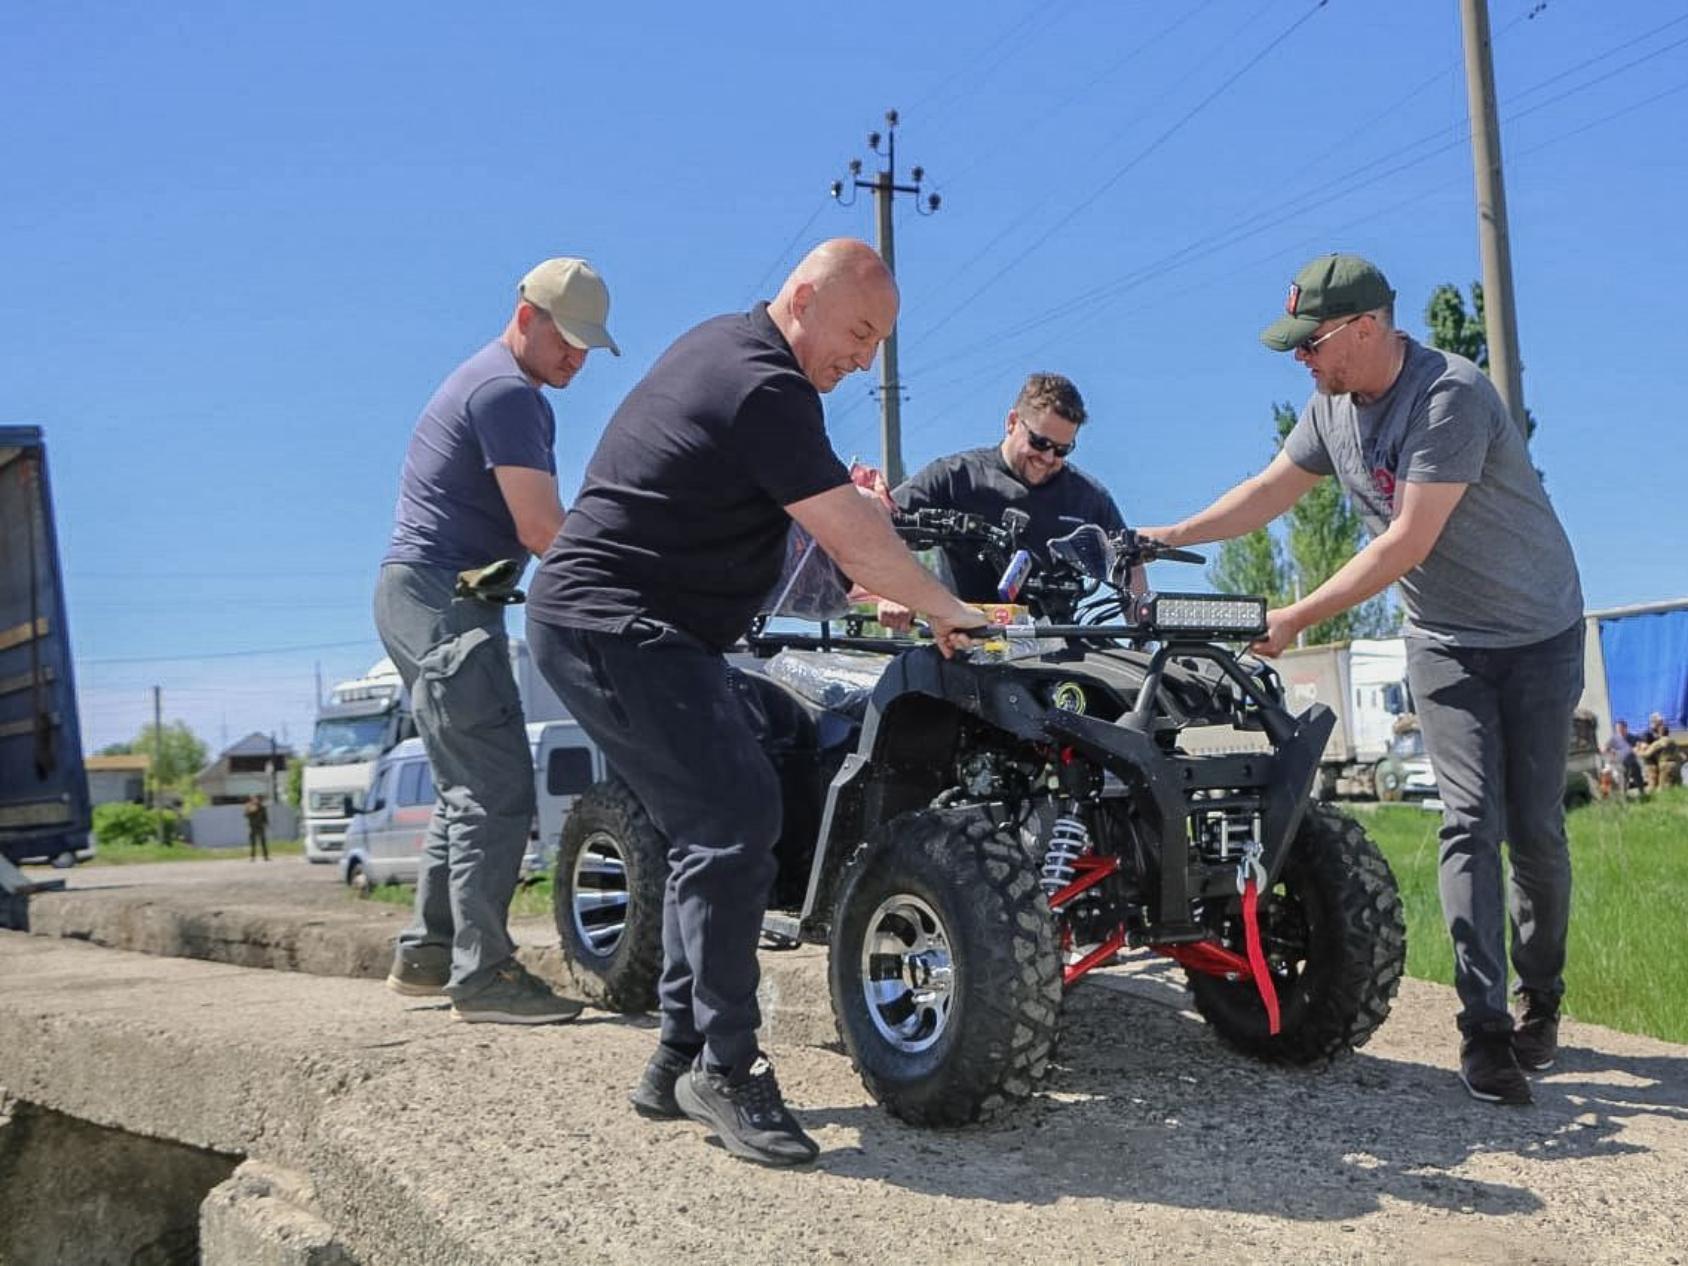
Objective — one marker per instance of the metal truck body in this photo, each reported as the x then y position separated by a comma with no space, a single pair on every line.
44,807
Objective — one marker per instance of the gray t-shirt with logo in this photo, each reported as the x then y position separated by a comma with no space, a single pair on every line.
1502,572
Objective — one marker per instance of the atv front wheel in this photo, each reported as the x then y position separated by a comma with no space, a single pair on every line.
944,970
1335,941
606,898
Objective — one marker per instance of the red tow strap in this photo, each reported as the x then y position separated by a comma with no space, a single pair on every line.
1257,956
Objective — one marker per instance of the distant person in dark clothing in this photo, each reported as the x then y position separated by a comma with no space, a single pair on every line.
257,828
1620,747
1027,471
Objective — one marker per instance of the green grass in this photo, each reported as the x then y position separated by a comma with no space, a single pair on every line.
531,900
130,854
1627,962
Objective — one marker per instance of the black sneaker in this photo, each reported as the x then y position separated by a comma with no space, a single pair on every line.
745,1109
1490,1071
1535,1042
653,1097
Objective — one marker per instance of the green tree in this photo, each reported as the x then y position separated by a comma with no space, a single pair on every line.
1454,328
1321,532
1252,564
176,751
1324,531
294,790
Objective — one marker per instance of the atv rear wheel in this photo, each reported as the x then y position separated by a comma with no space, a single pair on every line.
606,898
944,970
1335,940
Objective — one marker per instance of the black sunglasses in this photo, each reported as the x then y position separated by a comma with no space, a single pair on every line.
1042,443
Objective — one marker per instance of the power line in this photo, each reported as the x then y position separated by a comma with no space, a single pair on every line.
1178,259
1113,68
1336,147
756,290
1039,9
1262,221
1121,172
272,650
1029,212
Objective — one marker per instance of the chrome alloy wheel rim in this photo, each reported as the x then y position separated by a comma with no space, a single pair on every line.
908,973
600,893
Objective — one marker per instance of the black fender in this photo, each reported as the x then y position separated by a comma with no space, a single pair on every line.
903,757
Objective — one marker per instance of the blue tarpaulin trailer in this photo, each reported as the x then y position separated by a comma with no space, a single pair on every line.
44,807
1636,663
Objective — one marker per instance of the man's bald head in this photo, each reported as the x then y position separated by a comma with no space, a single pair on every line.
835,309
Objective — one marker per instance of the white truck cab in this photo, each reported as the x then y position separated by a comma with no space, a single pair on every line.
389,828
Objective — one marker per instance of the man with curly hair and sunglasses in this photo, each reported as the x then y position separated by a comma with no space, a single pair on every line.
1028,471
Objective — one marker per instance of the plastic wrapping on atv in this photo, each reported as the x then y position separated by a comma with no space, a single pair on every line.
834,680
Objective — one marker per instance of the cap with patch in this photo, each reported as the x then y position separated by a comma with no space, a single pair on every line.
576,298
1331,286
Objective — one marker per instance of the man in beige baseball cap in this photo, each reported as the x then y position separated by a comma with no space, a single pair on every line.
478,491
571,293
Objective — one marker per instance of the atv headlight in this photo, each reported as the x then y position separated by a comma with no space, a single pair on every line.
1218,615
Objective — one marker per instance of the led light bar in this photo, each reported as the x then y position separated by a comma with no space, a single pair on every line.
1231,615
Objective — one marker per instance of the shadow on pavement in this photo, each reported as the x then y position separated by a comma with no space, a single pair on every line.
1144,1104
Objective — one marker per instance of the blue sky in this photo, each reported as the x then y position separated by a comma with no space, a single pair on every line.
241,244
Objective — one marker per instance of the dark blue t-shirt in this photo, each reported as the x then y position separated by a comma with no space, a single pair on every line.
451,512
681,516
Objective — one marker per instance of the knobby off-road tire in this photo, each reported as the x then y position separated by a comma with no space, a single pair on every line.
940,889
606,898
1334,919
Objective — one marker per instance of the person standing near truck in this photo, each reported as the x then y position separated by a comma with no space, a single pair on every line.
1439,470
478,494
257,828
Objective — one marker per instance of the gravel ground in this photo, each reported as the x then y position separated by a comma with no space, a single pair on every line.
435,1141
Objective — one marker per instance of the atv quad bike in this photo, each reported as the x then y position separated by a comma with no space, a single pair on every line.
970,837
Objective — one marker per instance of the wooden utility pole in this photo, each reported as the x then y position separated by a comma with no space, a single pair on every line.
885,189
158,760
1499,312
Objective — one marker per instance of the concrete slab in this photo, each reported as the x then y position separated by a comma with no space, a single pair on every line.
433,1141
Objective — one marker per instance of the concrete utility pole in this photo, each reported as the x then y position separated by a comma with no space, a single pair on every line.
1499,313
885,188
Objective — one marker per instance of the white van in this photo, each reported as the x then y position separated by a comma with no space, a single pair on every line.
386,835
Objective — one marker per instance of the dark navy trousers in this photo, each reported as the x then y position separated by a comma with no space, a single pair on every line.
658,704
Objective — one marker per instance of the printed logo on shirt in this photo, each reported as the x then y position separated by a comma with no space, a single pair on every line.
1383,480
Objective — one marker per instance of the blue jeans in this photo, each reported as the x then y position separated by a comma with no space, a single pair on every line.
1497,728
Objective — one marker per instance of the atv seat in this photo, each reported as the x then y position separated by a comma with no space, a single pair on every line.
834,680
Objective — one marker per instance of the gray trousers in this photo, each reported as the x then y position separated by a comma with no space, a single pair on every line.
454,658
1497,727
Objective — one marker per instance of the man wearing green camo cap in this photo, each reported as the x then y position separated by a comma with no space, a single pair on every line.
1431,457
